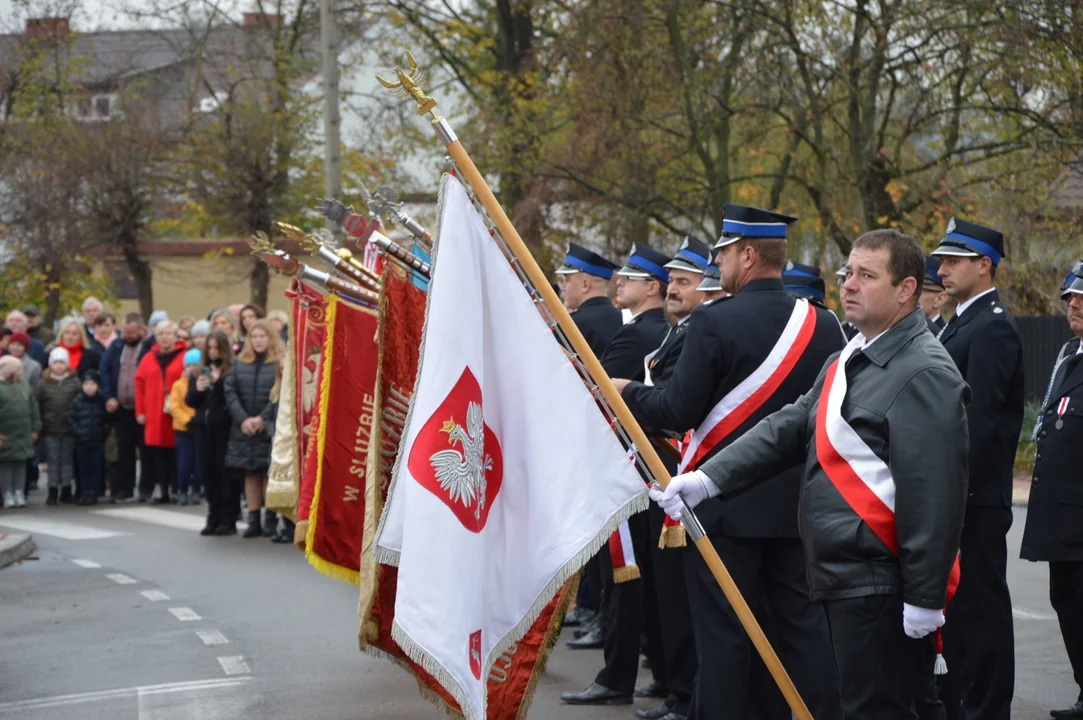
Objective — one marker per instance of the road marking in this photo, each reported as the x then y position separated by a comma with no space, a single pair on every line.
212,637
85,563
122,579
1028,615
184,614
142,690
57,528
154,595
234,665
157,516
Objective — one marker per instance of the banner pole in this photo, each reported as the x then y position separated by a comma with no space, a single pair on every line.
407,86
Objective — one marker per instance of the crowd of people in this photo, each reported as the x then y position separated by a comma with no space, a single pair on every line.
162,412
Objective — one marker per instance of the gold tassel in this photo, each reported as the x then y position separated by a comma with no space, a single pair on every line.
673,536
625,574
300,535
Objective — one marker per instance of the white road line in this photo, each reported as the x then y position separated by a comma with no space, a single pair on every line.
85,563
154,595
77,698
234,665
184,614
212,637
121,579
1028,615
157,516
57,528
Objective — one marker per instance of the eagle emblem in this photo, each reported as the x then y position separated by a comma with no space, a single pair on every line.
951,227
457,457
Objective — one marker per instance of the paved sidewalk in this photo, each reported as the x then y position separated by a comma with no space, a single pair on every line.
14,547
1020,492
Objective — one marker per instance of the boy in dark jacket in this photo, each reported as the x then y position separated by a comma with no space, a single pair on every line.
89,429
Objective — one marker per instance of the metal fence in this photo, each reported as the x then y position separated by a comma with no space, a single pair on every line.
1042,339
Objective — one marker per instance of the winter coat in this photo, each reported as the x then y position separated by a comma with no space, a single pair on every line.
31,372
248,391
210,405
153,380
19,417
89,420
181,412
54,399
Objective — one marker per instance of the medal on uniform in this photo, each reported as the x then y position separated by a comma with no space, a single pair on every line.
1061,407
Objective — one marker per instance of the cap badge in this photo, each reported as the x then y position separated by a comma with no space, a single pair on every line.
951,227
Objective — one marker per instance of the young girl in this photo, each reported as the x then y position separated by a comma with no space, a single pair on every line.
89,428
189,481
212,421
59,386
19,426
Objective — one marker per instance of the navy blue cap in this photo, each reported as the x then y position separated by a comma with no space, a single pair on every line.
966,239
805,286
712,279
693,256
579,259
795,268
1073,284
932,266
644,263
739,221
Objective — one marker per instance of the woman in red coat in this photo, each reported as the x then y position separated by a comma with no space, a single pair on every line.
154,378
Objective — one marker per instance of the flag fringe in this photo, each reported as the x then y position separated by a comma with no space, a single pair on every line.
300,535
625,574
283,478
426,692
673,536
556,624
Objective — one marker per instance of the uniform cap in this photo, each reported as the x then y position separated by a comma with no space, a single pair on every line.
805,286
967,239
1073,284
712,279
739,221
693,256
932,277
644,263
580,260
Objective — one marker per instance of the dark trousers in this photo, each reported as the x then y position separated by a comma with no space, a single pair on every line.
129,440
222,484
675,617
91,461
188,473
884,674
159,468
979,634
624,615
769,573
1066,597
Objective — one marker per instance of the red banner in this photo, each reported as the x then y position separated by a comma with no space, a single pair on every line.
516,673
347,397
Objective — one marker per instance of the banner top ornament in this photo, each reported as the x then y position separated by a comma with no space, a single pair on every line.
409,85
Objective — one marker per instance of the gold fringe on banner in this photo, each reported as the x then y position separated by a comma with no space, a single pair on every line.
625,574
283,478
673,536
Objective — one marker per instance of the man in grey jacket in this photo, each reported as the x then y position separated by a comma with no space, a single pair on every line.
885,484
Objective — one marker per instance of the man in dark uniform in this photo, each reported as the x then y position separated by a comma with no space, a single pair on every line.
641,289
804,281
1054,530
711,285
744,357
982,339
933,296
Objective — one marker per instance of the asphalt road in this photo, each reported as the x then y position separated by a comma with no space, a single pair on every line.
128,614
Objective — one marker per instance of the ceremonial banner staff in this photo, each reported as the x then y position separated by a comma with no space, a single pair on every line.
407,87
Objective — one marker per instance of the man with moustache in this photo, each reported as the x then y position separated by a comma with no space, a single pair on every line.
983,340
744,357
117,370
883,438
1054,529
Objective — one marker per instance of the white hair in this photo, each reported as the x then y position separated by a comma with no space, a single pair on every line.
91,299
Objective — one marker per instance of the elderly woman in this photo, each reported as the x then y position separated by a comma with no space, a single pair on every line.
19,427
73,338
158,370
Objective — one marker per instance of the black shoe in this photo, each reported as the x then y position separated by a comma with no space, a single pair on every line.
597,695
593,639
653,689
254,527
51,500
66,497
226,530
1072,713
270,523
653,713
578,616
91,499
163,500
283,537
83,499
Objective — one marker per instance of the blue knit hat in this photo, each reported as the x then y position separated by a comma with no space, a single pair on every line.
193,357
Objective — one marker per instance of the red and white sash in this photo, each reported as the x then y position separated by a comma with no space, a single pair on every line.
622,554
860,476
743,401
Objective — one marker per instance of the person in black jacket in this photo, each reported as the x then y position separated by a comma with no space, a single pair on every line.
744,357
585,277
1054,530
984,342
89,428
641,288
211,427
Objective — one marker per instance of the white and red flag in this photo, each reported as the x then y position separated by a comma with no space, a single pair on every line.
508,479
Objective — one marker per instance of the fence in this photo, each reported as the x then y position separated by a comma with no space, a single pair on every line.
1042,339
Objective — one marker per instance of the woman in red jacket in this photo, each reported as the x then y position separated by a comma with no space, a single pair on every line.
158,370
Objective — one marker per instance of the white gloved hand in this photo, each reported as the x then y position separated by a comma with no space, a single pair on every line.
693,488
919,622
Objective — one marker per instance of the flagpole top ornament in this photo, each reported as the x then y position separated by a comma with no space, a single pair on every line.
409,85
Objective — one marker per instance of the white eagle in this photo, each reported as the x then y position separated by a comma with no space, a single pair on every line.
462,475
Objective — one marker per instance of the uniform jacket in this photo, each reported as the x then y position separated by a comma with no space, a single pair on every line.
89,420
599,321
248,391
19,417
634,341
1054,530
153,380
664,361
907,402
182,413
54,399
984,343
725,341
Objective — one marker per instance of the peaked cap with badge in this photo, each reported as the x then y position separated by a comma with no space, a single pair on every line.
932,276
1073,284
803,281
967,239
712,280
740,222
579,259
645,263
693,256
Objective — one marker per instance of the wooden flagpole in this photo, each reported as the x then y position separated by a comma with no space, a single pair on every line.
407,86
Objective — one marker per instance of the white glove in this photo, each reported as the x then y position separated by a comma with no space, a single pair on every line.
919,622
693,488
